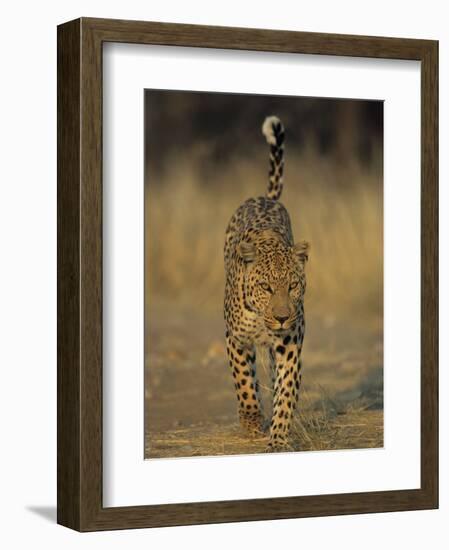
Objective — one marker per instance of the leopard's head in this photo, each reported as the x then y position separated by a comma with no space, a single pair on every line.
274,278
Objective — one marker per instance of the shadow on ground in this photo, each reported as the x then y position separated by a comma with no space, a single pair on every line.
46,512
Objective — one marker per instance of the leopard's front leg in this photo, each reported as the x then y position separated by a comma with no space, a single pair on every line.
287,375
242,360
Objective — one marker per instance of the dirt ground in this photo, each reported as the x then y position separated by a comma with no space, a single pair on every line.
190,404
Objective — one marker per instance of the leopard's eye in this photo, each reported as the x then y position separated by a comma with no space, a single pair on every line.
265,286
293,284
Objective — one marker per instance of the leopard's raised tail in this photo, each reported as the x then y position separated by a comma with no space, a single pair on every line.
274,133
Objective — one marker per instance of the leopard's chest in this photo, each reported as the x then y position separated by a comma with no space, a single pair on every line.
249,328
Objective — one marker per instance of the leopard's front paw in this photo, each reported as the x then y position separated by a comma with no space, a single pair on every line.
254,426
278,446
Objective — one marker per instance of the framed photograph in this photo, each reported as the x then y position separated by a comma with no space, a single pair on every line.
247,274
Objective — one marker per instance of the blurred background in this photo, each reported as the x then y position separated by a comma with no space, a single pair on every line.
205,155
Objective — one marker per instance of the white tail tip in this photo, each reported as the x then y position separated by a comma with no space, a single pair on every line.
267,129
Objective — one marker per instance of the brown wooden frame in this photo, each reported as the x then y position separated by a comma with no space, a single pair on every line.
80,274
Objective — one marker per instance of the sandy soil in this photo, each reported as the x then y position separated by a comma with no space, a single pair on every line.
190,405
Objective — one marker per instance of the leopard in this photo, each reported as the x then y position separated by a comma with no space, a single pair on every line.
265,285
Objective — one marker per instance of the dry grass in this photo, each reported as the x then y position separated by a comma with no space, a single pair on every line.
339,210
311,431
190,405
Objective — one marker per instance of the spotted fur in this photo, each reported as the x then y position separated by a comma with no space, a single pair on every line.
264,300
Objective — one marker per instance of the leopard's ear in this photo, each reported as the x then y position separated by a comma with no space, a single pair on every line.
247,251
301,251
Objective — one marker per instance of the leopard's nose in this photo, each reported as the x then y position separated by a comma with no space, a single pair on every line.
281,318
